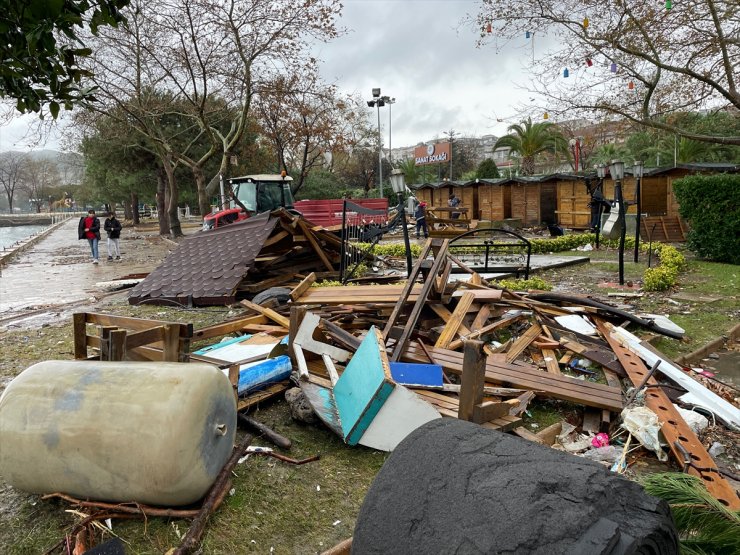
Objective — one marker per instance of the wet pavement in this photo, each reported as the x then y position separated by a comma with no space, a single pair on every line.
58,271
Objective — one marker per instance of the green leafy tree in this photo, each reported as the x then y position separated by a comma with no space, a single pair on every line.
487,169
41,50
411,172
529,140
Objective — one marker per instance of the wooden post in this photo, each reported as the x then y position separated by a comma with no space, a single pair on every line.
296,317
80,335
473,379
117,345
171,350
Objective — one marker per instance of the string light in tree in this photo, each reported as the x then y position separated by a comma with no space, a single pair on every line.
566,73
585,21
489,28
613,67
545,116
527,35
631,85
589,62
668,4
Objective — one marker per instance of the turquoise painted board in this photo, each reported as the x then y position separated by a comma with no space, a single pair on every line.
410,373
363,387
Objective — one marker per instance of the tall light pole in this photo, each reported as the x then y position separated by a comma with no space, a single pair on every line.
390,101
377,102
617,173
637,172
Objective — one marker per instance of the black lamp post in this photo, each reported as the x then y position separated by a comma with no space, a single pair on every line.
637,171
617,172
398,183
377,102
601,173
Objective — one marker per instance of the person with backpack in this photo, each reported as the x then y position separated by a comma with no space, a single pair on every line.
89,228
113,227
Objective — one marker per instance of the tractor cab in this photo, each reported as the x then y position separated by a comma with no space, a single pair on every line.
250,195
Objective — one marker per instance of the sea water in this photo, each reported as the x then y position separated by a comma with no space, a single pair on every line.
11,235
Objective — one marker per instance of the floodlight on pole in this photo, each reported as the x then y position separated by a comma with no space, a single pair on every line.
377,102
398,184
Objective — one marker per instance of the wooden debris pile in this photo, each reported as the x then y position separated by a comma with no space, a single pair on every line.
488,353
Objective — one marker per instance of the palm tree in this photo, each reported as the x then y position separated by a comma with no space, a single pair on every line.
411,171
530,139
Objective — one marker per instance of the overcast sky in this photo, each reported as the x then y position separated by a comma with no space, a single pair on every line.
418,52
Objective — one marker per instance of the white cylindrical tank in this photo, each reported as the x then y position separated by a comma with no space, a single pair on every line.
152,432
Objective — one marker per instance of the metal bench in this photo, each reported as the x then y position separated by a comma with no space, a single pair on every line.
494,250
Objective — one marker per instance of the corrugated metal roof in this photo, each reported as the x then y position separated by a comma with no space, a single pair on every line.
206,268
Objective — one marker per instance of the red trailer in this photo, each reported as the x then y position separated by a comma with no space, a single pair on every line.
328,213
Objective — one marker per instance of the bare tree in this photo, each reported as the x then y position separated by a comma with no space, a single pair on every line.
639,61
38,177
11,174
204,61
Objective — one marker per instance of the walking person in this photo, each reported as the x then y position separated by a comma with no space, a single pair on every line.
113,227
420,214
89,228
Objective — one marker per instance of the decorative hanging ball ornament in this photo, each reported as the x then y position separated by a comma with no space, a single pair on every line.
527,35
566,73
668,4
546,116
613,67
589,62
585,20
489,29
631,85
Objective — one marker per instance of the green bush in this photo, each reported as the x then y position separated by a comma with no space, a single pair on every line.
711,205
524,284
659,278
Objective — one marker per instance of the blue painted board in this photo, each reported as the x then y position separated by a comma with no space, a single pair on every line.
363,387
410,373
257,375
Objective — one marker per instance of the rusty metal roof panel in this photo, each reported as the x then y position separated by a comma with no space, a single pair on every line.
207,267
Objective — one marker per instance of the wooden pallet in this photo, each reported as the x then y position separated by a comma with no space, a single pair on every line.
665,229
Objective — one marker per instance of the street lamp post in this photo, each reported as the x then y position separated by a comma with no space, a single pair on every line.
601,173
398,183
377,102
617,172
390,101
637,171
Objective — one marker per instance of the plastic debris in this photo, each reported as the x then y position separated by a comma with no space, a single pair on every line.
697,422
600,440
643,424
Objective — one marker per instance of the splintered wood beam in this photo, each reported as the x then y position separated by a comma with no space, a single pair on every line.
551,361
683,442
524,340
302,287
481,317
267,313
454,324
315,245
407,289
498,324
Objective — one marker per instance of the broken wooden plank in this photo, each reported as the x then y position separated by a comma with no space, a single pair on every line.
473,380
523,342
523,376
452,326
302,287
267,313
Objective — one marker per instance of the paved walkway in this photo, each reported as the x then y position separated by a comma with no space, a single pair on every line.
57,270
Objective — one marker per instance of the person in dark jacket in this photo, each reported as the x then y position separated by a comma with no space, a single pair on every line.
89,228
113,227
420,214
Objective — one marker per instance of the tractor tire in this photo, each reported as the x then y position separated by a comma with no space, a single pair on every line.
455,487
280,294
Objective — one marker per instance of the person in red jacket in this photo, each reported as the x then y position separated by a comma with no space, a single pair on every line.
89,228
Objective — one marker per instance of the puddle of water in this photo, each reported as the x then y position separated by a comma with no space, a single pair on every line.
727,366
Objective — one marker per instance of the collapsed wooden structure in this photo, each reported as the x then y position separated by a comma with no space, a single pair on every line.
498,350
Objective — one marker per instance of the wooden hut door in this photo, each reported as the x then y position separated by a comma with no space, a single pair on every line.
548,203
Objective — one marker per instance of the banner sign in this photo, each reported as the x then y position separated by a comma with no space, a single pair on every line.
432,154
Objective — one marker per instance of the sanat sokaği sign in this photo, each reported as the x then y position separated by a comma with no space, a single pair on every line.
432,154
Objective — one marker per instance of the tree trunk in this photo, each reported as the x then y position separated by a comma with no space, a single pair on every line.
164,227
174,217
204,206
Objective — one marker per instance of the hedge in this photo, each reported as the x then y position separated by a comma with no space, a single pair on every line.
711,205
